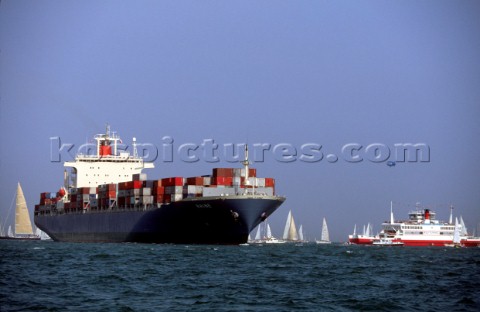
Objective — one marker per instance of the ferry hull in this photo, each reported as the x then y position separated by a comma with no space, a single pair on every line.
420,243
219,220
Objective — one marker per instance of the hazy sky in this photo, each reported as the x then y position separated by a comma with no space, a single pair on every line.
326,73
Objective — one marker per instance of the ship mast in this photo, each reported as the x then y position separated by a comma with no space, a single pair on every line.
391,212
451,214
245,166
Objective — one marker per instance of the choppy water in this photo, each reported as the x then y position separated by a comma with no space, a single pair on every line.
136,277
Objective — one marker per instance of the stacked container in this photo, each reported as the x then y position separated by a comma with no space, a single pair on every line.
141,192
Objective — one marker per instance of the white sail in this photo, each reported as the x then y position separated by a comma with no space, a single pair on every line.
290,232
258,236
287,225
23,224
325,235
368,231
456,233
300,232
463,229
10,232
44,236
269,231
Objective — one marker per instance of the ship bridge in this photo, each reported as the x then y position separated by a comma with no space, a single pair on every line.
107,165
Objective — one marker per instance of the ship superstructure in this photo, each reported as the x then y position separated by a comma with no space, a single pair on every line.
107,198
106,165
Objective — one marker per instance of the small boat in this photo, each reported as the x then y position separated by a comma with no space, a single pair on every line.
23,224
267,237
270,239
456,236
325,238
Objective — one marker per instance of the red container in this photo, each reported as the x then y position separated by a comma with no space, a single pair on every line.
172,181
158,190
222,172
157,183
137,184
195,181
222,181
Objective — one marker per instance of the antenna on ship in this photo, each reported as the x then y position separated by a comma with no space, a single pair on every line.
391,212
135,153
451,214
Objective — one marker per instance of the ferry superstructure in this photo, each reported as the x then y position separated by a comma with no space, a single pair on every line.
107,198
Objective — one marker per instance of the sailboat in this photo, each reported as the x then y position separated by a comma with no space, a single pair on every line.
290,232
270,239
325,238
456,234
23,224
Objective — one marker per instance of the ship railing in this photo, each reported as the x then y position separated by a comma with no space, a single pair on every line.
129,158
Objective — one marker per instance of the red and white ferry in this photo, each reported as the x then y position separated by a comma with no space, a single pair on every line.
422,229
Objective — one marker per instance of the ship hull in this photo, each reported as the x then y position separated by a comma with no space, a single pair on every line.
19,238
219,220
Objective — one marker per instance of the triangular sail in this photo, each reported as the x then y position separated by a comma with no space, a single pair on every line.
258,236
290,232
325,234
456,233
269,231
23,225
287,225
368,231
463,229
300,232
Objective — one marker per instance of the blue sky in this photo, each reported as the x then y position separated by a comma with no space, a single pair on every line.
325,72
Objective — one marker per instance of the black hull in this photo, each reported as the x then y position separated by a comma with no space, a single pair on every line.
19,238
218,220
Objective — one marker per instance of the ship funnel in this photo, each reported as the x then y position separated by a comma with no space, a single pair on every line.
427,216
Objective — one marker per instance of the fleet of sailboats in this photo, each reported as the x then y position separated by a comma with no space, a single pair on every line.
290,234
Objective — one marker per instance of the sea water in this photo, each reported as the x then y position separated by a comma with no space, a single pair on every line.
52,276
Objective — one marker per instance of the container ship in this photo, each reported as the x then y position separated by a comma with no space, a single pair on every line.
421,229
105,197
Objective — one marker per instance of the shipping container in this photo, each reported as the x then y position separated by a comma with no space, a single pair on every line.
176,197
139,177
222,172
173,181
173,189
195,181
222,180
